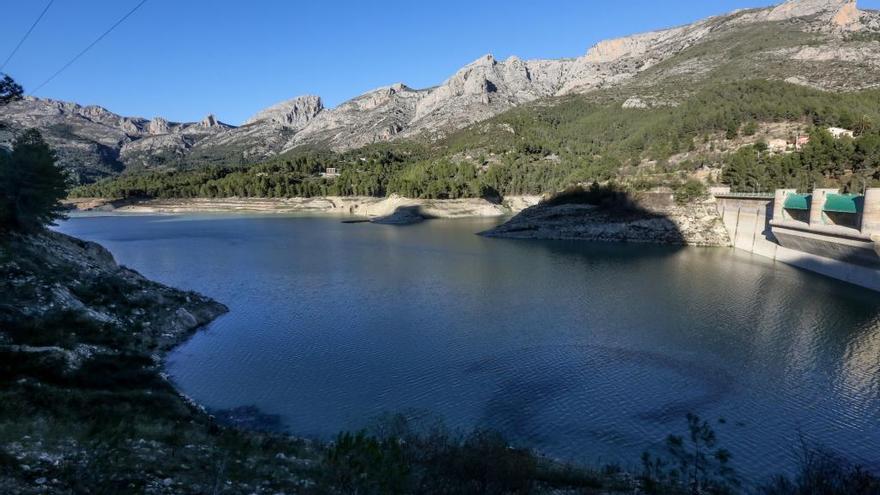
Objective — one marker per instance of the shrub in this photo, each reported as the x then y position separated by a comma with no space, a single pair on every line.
365,464
694,464
823,473
689,191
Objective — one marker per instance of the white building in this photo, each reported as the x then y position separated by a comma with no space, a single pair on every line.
330,173
839,132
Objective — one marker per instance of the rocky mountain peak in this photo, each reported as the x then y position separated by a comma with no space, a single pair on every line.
841,12
487,60
294,113
398,88
210,121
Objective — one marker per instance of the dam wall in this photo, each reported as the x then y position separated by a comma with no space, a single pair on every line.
841,245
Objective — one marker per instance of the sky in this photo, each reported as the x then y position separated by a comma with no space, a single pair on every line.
184,59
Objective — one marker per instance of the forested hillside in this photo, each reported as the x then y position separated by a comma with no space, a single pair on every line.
547,146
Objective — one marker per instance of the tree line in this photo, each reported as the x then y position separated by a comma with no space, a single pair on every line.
851,164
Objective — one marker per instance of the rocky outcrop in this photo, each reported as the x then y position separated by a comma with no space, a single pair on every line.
210,121
653,219
840,12
158,126
376,116
294,113
50,275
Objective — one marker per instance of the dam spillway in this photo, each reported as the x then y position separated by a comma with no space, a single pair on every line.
837,235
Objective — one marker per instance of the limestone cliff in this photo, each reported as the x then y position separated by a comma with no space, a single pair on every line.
294,113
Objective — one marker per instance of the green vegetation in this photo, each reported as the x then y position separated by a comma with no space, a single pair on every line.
402,459
31,185
545,147
823,472
694,463
689,191
852,164
9,90
866,36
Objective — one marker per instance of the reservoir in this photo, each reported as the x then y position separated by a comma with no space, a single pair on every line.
587,352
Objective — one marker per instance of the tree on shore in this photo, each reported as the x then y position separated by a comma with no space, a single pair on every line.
31,185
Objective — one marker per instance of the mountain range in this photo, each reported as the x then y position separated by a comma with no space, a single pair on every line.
825,44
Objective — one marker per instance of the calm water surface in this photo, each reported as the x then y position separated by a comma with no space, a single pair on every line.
588,352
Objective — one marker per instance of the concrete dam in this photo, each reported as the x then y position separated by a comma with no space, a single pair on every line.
834,234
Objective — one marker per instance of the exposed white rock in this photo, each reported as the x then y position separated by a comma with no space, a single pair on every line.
645,102
294,113
158,126
372,117
635,102
842,12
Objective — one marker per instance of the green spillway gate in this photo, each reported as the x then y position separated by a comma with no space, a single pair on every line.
843,203
797,201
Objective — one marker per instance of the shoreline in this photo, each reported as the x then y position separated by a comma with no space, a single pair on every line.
341,206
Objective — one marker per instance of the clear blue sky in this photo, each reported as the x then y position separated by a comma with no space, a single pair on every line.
183,59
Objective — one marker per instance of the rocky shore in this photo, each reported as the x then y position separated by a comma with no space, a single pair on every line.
358,206
84,405
647,218
51,273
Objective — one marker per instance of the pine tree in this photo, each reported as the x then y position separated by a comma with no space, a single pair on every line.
9,90
31,185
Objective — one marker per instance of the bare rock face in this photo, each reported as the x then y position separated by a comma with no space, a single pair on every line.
484,83
841,11
158,126
210,121
294,113
372,117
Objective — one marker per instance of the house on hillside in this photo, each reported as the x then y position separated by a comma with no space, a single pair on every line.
330,173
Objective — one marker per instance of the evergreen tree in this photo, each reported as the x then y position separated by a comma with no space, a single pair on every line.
9,90
31,185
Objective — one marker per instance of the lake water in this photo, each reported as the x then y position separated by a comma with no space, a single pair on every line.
587,352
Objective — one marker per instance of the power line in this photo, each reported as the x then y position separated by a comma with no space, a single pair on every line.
25,37
86,49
